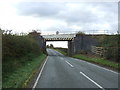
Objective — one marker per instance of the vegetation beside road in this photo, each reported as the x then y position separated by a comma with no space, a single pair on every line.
21,55
98,60
61,51
111,45
22,75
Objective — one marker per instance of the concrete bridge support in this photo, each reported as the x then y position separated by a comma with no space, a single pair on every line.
81,44
40,41
70,48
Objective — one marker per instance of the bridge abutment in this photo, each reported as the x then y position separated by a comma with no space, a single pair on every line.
40,41
70,48
83,43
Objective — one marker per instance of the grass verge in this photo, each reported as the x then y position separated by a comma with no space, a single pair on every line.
64,53
98,60
18,78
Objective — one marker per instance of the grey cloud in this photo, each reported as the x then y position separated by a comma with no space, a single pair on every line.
82,16
61,11
38,8
106,12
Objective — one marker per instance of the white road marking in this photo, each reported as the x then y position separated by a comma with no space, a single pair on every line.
92,80
39,74
103,68
96,65
69,64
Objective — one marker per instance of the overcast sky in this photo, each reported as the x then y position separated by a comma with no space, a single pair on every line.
65,17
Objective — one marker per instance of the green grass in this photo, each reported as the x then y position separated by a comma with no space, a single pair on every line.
98,60
20,77
64,53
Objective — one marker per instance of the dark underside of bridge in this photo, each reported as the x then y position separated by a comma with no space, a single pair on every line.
70,46
76,43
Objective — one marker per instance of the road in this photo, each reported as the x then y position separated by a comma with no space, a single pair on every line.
60,71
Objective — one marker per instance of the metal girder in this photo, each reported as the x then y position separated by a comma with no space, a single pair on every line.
60,37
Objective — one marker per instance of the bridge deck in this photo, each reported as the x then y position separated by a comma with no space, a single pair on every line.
59,37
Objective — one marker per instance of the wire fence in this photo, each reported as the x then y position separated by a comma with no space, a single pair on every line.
92,32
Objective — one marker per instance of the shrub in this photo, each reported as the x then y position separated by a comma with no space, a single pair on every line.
80,33
111,54
111,45
18,46
17,50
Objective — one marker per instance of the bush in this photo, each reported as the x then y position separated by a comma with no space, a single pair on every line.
80,33
17,50
111,54
111,45
18,46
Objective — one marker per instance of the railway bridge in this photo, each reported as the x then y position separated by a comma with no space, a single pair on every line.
76,42
62,37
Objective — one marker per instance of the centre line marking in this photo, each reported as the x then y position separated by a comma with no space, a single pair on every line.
69,64
92,81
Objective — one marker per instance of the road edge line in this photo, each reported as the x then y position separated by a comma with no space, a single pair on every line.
97,66
92,81
39,74
104,68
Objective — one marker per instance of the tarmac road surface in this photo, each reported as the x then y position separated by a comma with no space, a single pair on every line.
60,71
